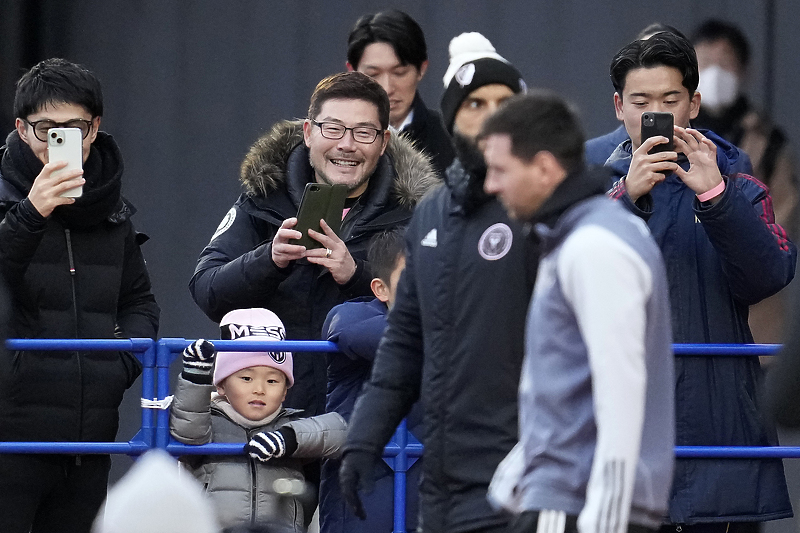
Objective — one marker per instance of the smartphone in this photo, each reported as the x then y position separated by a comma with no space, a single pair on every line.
656,124
66,144
320,201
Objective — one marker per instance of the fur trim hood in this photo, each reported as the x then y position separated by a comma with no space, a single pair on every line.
264,168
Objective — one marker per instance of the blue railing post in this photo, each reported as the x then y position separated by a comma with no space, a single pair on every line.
400,469
164,350
145,350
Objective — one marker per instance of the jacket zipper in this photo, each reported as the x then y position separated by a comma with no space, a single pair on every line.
253,485
72,277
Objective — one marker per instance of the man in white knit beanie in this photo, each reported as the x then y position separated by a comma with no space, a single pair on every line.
454,338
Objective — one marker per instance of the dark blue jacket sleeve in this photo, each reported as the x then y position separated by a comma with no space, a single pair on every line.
757,257
356,328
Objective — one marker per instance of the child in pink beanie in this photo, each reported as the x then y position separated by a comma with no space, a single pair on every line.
238,397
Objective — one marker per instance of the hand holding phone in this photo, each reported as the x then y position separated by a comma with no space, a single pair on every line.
320,201
66,144
655,124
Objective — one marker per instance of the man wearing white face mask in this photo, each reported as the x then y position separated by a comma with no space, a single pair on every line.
723,56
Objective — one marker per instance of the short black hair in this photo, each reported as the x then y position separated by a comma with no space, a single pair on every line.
714,30
394,28
658,27
57,81
539,121
384,251
661,49
350,86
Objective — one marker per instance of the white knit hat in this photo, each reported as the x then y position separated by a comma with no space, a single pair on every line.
474,63
469,47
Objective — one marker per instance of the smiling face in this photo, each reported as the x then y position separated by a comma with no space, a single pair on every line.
255,392
61,113
654,89
345,161
380,62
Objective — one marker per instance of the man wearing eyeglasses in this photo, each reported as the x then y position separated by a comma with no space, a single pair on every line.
251,261
74,270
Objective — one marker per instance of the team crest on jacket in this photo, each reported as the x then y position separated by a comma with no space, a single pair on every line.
226,223
495,242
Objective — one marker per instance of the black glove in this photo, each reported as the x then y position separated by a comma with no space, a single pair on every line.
356,473
266,445
198,361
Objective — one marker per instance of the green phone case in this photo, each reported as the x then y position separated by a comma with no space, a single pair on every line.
320,201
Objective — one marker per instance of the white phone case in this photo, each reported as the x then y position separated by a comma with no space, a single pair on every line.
66,144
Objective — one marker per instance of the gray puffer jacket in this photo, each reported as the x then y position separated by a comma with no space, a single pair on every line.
240,487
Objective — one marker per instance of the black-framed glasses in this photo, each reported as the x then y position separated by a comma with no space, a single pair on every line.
334,131
41,127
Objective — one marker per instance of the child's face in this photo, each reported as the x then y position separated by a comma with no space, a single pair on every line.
255,392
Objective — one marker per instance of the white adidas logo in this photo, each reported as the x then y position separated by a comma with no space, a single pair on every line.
430,239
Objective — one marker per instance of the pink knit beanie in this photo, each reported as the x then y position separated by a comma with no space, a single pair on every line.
252,324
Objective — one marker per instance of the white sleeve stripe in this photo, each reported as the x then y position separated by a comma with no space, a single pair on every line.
611,507
551,521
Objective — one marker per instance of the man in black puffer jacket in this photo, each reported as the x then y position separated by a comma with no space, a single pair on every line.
74,270
250,261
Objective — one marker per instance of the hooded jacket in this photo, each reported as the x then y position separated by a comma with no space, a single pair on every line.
720,259
240,486
235,270
454,340
78,273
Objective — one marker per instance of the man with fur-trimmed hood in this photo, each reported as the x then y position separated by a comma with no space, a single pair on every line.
251,261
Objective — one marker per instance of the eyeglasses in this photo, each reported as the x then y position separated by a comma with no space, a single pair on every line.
334,131
41,127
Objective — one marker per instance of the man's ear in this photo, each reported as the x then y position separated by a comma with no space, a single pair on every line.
694,105
349,66
423,68
307,125
22,130
618,106
95,128
379,289
550,168
387,134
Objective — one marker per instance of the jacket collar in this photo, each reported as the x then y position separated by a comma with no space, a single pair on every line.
466,175
576,187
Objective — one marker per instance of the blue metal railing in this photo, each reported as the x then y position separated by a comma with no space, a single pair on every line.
143,349
157,356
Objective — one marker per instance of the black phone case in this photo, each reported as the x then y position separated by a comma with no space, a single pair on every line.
320,201
656,124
